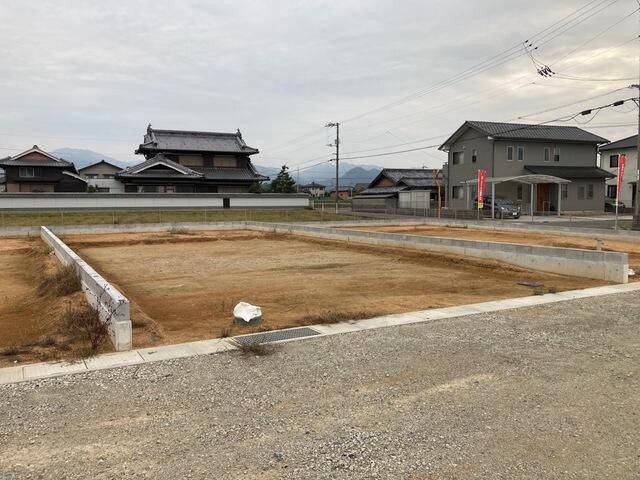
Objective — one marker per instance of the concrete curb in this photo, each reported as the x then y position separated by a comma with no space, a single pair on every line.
37,371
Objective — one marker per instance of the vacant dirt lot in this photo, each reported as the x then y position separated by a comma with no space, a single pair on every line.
187,285
30,316
531,238
543,393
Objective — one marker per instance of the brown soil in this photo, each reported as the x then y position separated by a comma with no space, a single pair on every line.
186,286
530,238
30,323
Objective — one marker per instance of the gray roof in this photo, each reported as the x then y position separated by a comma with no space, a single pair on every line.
629,142
418,182
382,190
569,172
396,174
523,131
49,161
225,173
101,162
192,141
312,185
141,169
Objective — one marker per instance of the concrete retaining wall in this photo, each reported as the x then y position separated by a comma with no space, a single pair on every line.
609,266
97,201
112,306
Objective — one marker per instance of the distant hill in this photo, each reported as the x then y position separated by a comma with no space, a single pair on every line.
81,157
325,174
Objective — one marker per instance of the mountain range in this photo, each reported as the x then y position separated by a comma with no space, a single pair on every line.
81,157
350,174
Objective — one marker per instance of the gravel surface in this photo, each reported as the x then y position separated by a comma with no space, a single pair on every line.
539,393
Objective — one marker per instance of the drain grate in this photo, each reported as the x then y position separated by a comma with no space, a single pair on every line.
276,336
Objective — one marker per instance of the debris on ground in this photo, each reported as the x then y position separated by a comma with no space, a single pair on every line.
247,312
530,283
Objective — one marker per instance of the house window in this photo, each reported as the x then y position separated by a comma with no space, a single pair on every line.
590,191
581,192
519,192
547,154
457,192
509,154
564,189
149,188
556,154
219,161
27,172
474,191
457,158
613,161
474,155
611,191
520,154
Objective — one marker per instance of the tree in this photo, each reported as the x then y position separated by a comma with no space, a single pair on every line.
283,182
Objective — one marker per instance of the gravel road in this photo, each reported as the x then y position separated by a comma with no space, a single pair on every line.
539,393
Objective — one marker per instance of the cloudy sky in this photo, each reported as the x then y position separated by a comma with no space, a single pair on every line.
92,74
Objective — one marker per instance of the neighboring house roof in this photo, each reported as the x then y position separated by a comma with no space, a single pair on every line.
312,185
418,182
523,131
383,190
192,141
101,162
569,172
629,142
71,174
145,170
142,169
416,176
50,161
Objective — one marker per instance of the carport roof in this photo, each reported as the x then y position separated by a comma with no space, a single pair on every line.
528,179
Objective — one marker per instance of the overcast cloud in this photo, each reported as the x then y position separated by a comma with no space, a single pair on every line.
92,74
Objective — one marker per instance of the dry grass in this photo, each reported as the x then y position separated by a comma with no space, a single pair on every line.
85,322
180,231
62,281
331,316
255,349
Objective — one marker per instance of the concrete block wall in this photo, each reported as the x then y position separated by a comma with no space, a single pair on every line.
608,266
112,306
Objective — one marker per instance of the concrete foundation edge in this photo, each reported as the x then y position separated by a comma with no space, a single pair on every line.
112,306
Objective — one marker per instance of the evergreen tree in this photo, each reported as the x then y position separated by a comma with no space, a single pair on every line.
283,183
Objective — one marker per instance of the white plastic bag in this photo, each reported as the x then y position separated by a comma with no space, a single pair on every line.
247,312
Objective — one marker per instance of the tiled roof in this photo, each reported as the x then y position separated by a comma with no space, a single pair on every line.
224,173
418,182
396,174
48,161
382,190
523,131
101,162
192,141
629,142
312,185
142,169
569,172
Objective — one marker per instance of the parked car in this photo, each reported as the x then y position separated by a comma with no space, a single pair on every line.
504,208
610,205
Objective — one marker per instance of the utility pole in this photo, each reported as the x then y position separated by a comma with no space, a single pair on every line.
337,159
635,225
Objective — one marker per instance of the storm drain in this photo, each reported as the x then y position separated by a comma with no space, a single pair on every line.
276,336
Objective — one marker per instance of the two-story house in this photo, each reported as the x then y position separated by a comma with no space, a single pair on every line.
507,150
179,161
35,170
609,158
102,177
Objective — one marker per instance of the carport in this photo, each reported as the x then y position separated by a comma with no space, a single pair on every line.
531,180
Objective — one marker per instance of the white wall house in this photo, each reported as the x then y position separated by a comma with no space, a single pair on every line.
609,158
102,176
